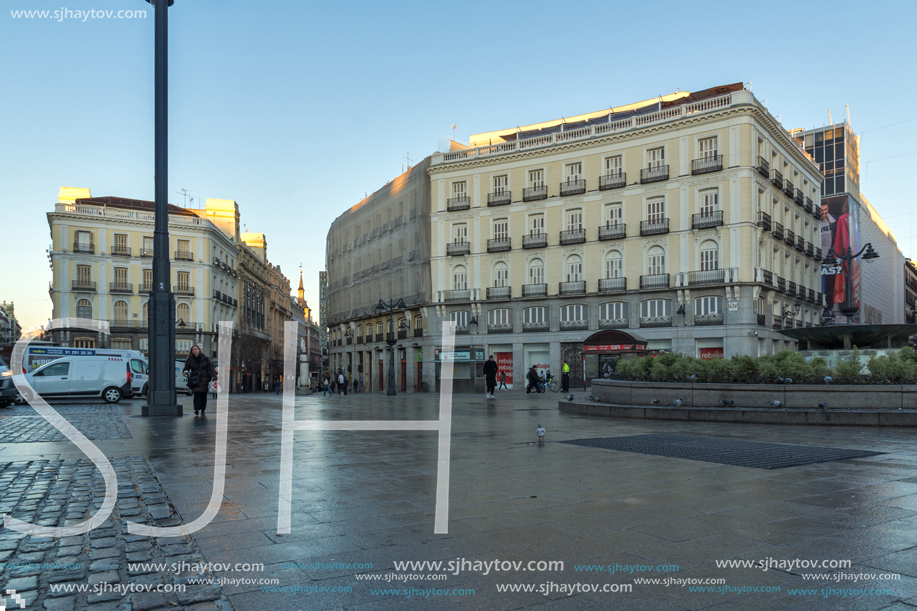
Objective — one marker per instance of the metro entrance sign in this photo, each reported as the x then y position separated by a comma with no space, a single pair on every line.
608,347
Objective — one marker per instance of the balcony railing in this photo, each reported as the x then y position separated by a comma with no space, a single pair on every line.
535,326
457,295
791,288
538,240
454,204
768,277
778,322
499,244
707,164
577,287
656,321
120,251
572,236
613,323
458,248
763,167
499,292
121,325
612,285
789,237
613,232
574,325
84,247
500,328
359,339
800,243
380,337
778,231
810,295
810,249
614,180
708,319
534,290
402,333
185,290
183,255
654,227
654,281
706,276
705,220
499,199
418,332
777,178
762,320
146,253
573,187
781,285
83,285
788,187
764,221
654,174
530,194
818,253
798,197
146,287
121,287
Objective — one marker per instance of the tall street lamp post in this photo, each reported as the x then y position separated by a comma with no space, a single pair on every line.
161,396
846,257
391,340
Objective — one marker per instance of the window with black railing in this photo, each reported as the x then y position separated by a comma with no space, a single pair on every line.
462,202
654,227
534,290
712,163
654,281
573,187
613,180
572,288
763,167
764,221
535,240
613,285
535,193
499,244
612,231
654,174
777,178
572,236
501,198
707,219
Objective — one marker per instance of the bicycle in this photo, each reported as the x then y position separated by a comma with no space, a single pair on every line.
552,385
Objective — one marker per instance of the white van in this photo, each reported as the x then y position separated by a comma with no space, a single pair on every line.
37,355
108,377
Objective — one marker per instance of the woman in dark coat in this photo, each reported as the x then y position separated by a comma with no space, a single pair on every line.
199,367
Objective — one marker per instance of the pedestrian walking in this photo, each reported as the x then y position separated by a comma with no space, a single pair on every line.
503,385
340,383
565,377
277,387
532,378
356,383
327,385
200,371
361,383
490,376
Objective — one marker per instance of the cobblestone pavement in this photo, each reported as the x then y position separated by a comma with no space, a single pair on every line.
35,429
363,501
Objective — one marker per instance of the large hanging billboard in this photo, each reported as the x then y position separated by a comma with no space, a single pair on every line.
840,232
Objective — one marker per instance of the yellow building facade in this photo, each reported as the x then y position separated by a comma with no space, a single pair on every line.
689,220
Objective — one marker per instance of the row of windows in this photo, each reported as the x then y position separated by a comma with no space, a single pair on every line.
613,310
121,311
401,324
655,263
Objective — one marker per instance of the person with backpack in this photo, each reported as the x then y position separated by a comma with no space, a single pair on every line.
533,380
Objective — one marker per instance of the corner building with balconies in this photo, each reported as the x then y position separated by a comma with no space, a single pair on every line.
690,220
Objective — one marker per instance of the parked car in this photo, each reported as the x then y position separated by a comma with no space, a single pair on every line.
36,355
8,391
107,377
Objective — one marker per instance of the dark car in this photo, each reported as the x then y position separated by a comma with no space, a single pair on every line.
8,390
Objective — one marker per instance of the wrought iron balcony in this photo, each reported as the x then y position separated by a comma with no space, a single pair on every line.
615,180
572,236
791,288
654,227
84,247
613,285
798,197
613,323
183,255
613,232
499,244
500,328
705,220
764,221
810,249
380,337
654,281
777,178
146,287
810,295
457,295
83,285
800,243
778,322
402,334
534,290
654,174
768,277
762,320
811,206
359,339
454,204
120,251
781,285
499,292
537,240
778,231
764,168
573,187
418,332
707,276
574,325
121,287
501,198
656,321
818,253
458,248
788,187
146,253
530,194
707,164
701,320
789,237
535,326
577,287
186,290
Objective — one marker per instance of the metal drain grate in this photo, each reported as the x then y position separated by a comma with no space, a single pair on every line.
736,452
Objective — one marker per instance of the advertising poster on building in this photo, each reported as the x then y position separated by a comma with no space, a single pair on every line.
840,233
505,364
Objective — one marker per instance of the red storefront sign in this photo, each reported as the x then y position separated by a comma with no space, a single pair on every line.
711,353
608,347
505,363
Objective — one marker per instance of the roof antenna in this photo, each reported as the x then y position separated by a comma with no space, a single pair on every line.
185,194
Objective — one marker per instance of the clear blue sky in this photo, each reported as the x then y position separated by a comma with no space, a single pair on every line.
296,109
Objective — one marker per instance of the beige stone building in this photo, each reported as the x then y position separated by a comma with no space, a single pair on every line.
689,220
